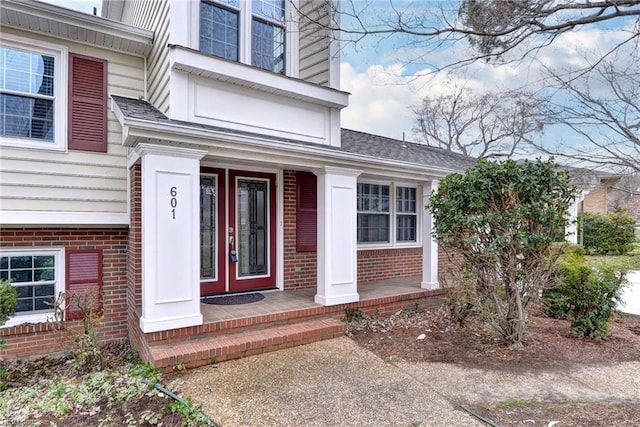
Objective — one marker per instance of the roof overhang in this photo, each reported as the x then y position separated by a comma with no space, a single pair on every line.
196,63
45,18
255,149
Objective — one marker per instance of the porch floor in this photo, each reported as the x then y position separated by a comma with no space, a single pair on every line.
284,301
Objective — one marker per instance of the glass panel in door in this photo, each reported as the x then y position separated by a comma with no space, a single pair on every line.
252,211
212,267
252,227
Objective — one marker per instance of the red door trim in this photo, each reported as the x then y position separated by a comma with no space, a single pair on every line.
269,282
218,286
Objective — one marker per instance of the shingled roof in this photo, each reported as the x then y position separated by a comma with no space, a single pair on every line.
394,149
355,142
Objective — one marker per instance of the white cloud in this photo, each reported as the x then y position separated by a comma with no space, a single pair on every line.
380,100
382,94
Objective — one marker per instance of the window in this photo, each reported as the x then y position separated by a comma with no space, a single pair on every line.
37,277
245,31
373,213
383,208
32,94
406,216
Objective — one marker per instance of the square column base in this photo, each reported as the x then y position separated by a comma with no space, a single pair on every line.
430,286
167,323
336,299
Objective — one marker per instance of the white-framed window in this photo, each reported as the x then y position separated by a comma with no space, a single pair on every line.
387,214
37,274
247,31
33,95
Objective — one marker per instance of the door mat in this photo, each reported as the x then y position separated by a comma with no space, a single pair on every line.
233,299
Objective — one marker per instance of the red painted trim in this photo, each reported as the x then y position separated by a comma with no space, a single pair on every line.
218,286
236,285
78,103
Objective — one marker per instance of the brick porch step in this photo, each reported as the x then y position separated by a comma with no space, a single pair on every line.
202,352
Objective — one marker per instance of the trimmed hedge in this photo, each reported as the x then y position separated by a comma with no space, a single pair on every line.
608,234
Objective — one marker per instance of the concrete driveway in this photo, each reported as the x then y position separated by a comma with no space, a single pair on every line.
337,383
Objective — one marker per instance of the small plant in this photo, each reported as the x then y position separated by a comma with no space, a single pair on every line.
515,403
179,367
191,413
146,372
586,296
353,315
8,301
89,356
214,360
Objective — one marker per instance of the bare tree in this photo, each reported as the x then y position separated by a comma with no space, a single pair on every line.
603,109
501,31
489,124
495,28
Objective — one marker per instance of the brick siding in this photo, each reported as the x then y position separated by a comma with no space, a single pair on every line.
299,267
134,261
36,340
382,264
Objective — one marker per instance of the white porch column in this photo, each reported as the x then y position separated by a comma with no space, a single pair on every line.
429,244
337,238
571,230
170,237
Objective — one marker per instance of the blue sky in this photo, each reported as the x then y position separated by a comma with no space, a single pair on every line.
384,86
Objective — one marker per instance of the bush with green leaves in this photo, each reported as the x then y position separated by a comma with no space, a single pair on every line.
501,218
586,296
608,234
8,300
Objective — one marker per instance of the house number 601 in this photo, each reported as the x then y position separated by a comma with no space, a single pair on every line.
174,201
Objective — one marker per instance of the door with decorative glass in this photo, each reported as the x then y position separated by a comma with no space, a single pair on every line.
237,233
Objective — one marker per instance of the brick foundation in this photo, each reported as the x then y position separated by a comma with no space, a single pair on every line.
36,340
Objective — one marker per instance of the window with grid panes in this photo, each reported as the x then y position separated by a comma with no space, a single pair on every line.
36,278
29,104
223,27
373,213
406,214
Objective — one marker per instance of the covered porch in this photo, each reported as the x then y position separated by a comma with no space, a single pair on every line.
303,299
281,320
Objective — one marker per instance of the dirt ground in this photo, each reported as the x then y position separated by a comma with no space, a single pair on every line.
548,347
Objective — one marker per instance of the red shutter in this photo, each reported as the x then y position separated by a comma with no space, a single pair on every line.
83,272
87,103
306,212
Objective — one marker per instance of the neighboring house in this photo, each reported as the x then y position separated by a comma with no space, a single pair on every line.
600,193
219,166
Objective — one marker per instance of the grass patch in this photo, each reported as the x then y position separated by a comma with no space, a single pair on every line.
631,261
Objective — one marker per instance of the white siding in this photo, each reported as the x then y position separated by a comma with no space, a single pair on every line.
74,181
314,42
153,15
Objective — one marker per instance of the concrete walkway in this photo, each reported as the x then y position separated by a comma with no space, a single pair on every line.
631,294
336,382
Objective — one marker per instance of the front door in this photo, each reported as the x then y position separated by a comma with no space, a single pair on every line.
238,232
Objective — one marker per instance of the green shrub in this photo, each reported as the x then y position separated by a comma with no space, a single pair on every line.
586,296
609,234
8,300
